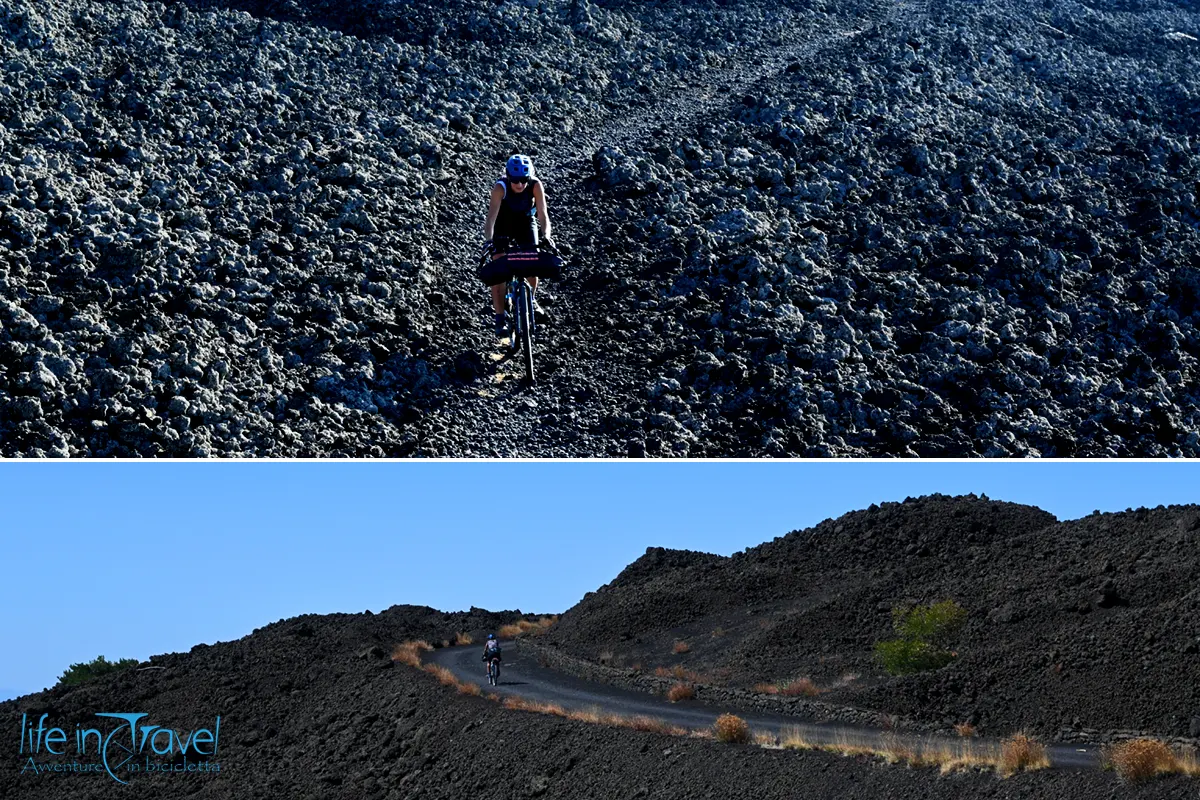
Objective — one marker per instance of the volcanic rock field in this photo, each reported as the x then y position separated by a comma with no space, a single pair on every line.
313,707
927,227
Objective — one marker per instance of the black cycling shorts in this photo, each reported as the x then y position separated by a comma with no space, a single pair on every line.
506,237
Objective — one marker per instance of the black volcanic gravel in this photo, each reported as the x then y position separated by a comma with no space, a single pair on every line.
864,228
1088,625
313,708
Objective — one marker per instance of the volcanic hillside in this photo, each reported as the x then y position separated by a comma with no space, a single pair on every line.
926,227
1093,623
312,707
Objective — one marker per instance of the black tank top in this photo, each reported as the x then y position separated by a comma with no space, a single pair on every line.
517,207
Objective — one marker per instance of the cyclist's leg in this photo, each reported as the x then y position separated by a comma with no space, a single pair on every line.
499,290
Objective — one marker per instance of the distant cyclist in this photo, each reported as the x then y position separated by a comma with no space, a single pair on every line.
491,649
518,206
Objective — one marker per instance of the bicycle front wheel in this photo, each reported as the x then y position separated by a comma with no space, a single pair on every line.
525,322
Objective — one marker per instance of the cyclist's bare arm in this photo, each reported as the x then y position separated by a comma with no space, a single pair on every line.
489,227
543,215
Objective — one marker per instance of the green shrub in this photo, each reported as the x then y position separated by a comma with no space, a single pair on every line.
924,633
905,656
78,673
936,623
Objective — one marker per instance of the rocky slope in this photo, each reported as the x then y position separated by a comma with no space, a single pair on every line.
215,218
865,228
312,708
1089,624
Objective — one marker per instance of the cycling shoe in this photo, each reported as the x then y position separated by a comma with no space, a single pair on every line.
502,326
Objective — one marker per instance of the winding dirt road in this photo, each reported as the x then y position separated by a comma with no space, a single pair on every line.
522,676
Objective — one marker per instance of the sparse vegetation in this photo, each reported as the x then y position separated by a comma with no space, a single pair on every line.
731,728
800,687
86,670
594,716
680,647
678,673
462,639
681,691
409,653
444,676
469,689
718,633
948,756
965,729
1022,752
1142,759
924,633
525,627
606,657
767,740
653,725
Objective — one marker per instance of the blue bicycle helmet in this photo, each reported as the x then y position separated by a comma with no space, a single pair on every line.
519,166
491,636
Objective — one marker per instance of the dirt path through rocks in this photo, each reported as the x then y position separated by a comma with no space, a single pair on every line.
493,413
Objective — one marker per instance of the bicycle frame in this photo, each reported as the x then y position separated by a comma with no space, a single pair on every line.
493,671
519,298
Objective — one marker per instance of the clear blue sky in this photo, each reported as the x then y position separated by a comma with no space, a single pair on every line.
130,560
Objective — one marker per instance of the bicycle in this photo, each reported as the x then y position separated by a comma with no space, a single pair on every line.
493,671
518,264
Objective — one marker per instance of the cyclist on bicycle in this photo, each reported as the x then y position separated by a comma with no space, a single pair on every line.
518,206
491,649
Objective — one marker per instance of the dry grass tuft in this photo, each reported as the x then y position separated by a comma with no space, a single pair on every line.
606,657
1142,759
680,647
652,725
730,728
409,653
965,729
462,639
767,740
470,688
592,715
896,750
804,687
1189,763
967,756
681,691
794,739
766,688
444,676
1021,751
848,746
521,704
718,633
495,698
523,627
948,756
678,673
